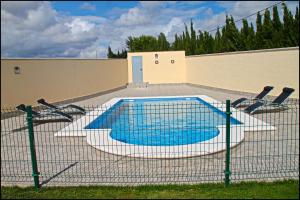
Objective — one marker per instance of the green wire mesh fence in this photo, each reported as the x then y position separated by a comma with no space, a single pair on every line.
155,143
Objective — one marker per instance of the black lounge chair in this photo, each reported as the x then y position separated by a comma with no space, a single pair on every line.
275,104
242,102
60,108
42,116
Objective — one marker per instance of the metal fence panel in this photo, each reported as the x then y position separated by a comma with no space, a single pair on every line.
65,160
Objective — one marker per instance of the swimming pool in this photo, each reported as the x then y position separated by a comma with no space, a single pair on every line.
162,127
161,121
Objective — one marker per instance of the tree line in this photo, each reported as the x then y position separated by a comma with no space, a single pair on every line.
269,33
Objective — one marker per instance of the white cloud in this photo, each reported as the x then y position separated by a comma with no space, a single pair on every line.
88,6
33,15
79,26
135,16
36,29
94,51
36,17
209,12
175,25
19,8
241,9
41,32
208,24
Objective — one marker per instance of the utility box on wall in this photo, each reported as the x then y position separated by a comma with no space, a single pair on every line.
158,67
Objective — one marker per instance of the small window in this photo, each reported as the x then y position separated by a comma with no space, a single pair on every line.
156,56
156,62
17,70
172,61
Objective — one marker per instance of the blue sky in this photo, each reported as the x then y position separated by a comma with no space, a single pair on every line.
113,9
98,8
86,28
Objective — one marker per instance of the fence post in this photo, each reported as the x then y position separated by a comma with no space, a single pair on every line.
35,172
227,161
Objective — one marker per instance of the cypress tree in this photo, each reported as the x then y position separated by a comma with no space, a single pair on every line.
163,44
187,41
259,35
250,44
277,29
182,45
224,40
129,42
267,29
244,35
217,42
197,43
288,39
193,40
175,43
110,54
123,54
296,27
232,36
208,44
276,20
200,47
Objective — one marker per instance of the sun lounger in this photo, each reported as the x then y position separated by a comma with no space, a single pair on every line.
242,102
275,104
60,108
44,116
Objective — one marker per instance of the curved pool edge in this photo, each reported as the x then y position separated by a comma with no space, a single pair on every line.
101,140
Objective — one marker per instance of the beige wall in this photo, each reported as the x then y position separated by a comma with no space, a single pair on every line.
63,79
247,71
165,71
58,79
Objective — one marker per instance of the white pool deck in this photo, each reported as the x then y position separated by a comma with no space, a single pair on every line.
101,139
69,161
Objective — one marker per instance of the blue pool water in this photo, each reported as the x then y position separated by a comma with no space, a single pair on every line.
161,121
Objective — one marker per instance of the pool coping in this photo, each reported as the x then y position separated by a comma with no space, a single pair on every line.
100,138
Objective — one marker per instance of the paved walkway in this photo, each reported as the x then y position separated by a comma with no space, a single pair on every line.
263,155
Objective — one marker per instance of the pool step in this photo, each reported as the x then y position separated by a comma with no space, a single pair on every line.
138,85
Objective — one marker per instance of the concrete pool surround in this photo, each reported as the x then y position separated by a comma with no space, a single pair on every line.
101,139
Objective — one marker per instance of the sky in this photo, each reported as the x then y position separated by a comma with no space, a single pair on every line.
84,29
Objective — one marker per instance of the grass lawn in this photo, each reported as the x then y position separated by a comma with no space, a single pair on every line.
288,189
